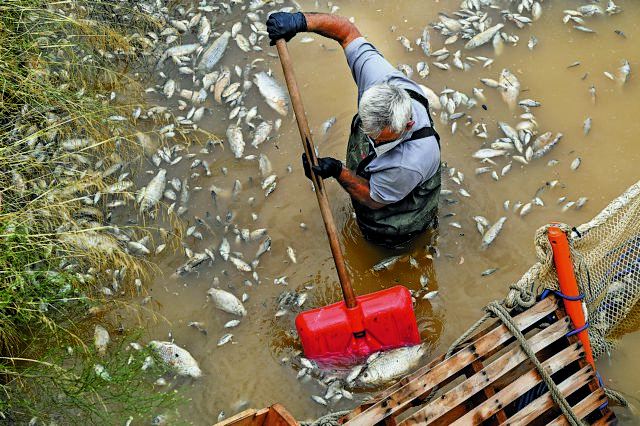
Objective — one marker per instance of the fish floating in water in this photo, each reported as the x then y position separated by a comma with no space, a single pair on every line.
179,359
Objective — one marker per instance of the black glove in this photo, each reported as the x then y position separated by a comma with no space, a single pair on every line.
285,25
327,167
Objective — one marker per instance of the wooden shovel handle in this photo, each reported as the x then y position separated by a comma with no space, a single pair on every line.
307,144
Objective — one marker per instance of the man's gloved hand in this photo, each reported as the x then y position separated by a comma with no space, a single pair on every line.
327,167
285,25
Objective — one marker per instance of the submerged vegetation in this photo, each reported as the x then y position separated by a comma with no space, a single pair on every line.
63,139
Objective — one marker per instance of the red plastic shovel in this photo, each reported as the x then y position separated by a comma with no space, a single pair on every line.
350,330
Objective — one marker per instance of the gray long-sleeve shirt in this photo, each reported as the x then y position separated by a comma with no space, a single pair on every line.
396,173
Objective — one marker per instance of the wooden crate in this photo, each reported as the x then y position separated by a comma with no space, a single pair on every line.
276,415
489,380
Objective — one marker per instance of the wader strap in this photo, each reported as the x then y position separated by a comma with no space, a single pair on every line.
425,131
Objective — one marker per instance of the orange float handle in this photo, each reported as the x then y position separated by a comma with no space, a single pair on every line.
569,287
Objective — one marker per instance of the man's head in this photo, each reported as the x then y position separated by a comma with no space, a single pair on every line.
385,111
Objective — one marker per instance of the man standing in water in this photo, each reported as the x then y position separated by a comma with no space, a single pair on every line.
392,168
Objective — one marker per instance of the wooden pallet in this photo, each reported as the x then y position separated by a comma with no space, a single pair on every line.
489,380
276,415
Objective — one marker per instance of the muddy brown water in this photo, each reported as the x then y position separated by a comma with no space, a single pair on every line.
255,369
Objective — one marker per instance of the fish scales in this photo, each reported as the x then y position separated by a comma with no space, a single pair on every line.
226,302
273,92
154,190
214,53
177,358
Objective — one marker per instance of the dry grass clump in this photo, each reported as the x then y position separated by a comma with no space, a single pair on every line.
64,159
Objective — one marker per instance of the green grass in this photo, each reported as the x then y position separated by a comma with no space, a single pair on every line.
59,63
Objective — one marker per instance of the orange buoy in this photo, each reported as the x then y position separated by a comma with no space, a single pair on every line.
569,286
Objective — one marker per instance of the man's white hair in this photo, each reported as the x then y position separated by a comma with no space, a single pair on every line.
384,106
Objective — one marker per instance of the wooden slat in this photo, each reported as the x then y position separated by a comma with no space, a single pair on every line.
583,408
244,418
279,416
447,370
519,386
608,419
487,392
508,361
406,379
545,402
249,417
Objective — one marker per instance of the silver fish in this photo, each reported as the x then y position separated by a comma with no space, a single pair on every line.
510,87
226,302
625,71
386,263
586,126
235,139
273,92
492,233
204,30
383,367
240,264
153,191
483,37
262,133
425,41
177,358
264,247
225,339
182,50
488,153
212,55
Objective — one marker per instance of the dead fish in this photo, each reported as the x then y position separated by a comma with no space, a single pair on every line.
175,51
192,263
273,92
226,302
383,367
212,55
198,326
488,272
586,126
153,191
101,338
425,41
262,133
225,339
483,37
225,249
177,358
328,124
386,263
488,153
575,163
625,71
292,254
232,324
510,87
264,247
240,264
235,139
405,43
492,233
264,165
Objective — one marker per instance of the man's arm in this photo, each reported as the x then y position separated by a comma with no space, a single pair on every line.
358,188
334,27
